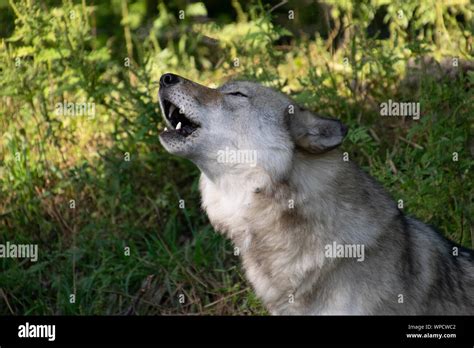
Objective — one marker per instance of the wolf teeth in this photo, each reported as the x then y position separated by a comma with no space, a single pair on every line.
178,127
171,110
166,129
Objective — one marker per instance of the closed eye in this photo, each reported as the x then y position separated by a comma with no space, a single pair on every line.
239,94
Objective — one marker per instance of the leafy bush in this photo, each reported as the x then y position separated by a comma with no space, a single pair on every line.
128,193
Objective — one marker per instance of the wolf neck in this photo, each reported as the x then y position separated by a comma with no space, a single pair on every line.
254,201
282,228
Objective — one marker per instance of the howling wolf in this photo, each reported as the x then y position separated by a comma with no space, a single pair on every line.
316,234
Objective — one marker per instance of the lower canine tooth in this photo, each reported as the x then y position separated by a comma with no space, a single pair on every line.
166,129
178,127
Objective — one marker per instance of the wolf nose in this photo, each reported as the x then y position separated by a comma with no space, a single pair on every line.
167,80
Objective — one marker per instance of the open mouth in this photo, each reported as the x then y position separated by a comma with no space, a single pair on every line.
180,124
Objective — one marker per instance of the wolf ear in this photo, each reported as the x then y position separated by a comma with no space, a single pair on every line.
316,134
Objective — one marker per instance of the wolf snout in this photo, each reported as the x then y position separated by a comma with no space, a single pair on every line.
344,130
168,79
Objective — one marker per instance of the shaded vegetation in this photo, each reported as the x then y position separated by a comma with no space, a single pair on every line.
86,188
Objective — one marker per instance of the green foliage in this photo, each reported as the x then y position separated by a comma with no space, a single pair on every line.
112,54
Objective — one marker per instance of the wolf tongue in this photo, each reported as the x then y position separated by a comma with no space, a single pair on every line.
187,129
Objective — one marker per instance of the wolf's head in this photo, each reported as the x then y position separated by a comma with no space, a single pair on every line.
240,125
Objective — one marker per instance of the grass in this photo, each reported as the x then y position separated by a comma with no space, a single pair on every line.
128,192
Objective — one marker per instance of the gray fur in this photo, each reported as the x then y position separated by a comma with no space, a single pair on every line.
301,197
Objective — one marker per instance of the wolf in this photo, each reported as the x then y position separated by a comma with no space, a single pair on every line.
316,234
